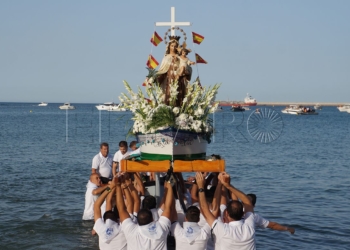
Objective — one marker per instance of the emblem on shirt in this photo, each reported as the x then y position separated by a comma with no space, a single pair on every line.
109,231
189,230
153,229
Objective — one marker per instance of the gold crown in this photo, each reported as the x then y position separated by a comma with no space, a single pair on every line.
177,38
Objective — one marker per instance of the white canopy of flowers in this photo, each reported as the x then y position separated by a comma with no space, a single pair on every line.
152,114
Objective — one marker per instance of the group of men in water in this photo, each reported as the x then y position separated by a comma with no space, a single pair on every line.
206,212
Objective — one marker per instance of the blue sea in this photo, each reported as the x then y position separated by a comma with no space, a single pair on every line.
300,173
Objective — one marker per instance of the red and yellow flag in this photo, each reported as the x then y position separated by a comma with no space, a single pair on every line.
199,59
156,39
197,38
151,62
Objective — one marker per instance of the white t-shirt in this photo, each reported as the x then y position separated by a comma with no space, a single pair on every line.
89,201
190,236
236,234
148,237
119,156
260,221
111,237
103,165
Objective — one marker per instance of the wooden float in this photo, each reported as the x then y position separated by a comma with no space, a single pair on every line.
178,166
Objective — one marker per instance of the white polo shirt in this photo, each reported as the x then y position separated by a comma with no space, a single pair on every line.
260,221
236,234
103,165
152,236
190,236
110,235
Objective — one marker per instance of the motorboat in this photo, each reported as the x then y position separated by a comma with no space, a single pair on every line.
117,107
249,101
307,111
292,109
343,108
237,108
42,104
66,106
105,106
111,106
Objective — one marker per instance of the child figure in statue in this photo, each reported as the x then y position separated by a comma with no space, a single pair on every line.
185,63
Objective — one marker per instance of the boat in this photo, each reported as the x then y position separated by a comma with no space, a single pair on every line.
111,106
318,107
249,101
343,108
307,111
238,108
292,109
118,107
66,106
42,104
105,106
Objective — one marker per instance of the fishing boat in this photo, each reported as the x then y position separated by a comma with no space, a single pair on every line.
238,108
66,106
42,104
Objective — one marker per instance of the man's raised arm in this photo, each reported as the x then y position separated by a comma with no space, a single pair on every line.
209,217
169,203
225,180
123,214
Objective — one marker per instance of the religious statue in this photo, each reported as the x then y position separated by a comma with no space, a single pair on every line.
170,71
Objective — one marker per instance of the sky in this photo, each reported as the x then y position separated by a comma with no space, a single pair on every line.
80,51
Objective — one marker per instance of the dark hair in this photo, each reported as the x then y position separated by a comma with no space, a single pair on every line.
144,217
209,194
253,197
235,210
192,214
104,144
123,144
132,143
149,202
112,215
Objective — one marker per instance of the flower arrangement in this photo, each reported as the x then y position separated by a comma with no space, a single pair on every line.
151,114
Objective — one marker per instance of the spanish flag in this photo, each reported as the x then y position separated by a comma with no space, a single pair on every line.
197,38
156,39
199,59
151,62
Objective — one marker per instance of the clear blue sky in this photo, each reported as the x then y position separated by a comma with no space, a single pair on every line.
80,51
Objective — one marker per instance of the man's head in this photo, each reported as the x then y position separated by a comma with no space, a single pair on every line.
133,145
192,214
149,202
144,217
123,147
112,215
234,211
252,198
95,178
104,149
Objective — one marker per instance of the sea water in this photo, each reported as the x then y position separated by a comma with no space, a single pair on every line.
300,176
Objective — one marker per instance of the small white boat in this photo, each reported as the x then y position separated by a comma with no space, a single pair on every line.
42,104
117,107
292,109
105,106
66,106
218,109
343,108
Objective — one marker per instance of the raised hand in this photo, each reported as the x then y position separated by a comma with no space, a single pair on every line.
200,180
224,178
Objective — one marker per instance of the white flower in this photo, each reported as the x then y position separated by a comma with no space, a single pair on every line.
151,80
176,110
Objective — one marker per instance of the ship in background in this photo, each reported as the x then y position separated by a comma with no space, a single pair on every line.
248,101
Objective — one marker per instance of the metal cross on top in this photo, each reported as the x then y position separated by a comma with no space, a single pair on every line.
172,22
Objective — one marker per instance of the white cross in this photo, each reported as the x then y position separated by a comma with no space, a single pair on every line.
172,23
